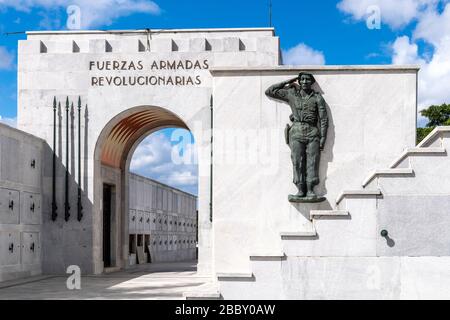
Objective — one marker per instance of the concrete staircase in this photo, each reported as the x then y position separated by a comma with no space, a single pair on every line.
349,231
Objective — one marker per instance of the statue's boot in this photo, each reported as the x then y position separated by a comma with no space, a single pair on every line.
310,193
299,195
301,190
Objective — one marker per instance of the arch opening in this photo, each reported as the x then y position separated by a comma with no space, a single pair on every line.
124,134
113,153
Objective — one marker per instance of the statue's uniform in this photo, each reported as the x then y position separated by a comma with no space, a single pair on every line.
310,123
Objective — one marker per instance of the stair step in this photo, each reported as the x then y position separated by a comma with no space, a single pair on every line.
111,269
328,213
267,256
233,275
387,172
346,193
207,291
297,234
417,150
433,134
202,295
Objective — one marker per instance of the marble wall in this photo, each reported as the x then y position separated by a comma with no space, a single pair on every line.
164,219
344,278
393,246
372,118
20,204
61,64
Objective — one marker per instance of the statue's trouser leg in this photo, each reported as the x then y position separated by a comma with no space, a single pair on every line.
312,165
297,157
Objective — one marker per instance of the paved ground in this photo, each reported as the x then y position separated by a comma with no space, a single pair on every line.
152,281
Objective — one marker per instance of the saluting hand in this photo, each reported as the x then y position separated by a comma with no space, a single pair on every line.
291,80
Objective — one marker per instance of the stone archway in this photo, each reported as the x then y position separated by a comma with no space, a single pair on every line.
115,146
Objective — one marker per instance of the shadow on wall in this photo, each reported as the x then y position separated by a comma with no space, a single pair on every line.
66,243
326,156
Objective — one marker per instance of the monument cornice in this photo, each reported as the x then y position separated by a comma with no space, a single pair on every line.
144,31
292,69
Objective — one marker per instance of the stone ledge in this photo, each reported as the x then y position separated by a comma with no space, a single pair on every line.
233,275
432,135
267,256
6,128
363,193
297,234
144,31
207,291
328,213
202,295
417,150
387,172
291,69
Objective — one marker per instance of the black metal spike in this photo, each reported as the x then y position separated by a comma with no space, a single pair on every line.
79,204
67,203
54,206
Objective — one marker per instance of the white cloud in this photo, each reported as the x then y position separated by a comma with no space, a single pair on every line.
405,52
12,122
301,54
395,13
432,18
93,13
153,158
152,151
434,76
6,59
182,178
434,26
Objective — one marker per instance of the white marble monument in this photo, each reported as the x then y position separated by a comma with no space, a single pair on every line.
382,231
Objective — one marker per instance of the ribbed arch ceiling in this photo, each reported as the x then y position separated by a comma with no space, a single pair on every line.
127,131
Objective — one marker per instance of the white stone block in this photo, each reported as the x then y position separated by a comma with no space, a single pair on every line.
197,45
27,47
59,46
181,45
357,235
268,44
258,59
248,44
231,44
161,45
80,46
215,45
425,278
129,46
230,59
100,46
416,225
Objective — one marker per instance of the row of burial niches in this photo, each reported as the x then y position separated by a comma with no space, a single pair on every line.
162,223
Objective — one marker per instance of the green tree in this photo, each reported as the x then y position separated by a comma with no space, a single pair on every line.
437,116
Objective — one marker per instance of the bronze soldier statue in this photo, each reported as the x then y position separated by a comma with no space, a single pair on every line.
307,134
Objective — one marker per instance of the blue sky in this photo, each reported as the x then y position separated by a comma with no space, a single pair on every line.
334,31
311,32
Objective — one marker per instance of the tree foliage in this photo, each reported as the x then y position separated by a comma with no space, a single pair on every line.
437,116
422,133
